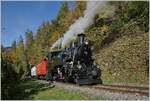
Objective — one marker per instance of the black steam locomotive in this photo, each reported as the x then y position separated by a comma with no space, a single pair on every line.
75,64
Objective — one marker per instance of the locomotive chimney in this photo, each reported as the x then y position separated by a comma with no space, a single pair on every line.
81,38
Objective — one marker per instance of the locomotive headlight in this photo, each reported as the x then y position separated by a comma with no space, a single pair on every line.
98,66
86,43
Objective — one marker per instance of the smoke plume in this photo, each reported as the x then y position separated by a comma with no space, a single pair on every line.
79,26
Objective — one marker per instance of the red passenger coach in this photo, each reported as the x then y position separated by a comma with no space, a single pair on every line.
41,68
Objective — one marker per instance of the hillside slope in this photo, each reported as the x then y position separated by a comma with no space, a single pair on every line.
125,60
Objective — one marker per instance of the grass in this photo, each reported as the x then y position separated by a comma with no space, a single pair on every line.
31,90
58,94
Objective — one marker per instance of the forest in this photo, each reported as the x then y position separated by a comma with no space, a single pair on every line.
120,44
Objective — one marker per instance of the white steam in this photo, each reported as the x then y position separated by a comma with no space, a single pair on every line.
57,43
92,8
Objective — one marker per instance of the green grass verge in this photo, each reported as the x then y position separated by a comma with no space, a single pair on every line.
58,94
31,90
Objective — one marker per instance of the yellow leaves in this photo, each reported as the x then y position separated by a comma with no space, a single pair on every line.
104,29
54,36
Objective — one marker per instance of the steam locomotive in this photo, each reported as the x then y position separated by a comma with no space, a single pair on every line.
74,64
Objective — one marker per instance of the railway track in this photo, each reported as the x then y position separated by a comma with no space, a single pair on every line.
136,90
124,89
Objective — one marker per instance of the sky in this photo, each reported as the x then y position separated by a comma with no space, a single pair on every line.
18,16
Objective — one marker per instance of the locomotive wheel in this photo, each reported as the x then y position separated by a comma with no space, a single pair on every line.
76,80
66,79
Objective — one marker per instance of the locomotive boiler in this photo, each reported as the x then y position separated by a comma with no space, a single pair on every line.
76,63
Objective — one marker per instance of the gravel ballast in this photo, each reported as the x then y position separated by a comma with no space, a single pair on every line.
93,93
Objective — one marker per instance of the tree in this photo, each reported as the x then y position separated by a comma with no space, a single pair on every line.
14,45
13,53
61,18
29,38
22,55
63,11
9,78
29,46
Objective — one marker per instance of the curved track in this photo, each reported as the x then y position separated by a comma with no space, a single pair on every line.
137,90
124,89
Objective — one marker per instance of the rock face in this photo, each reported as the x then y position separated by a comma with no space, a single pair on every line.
125,60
